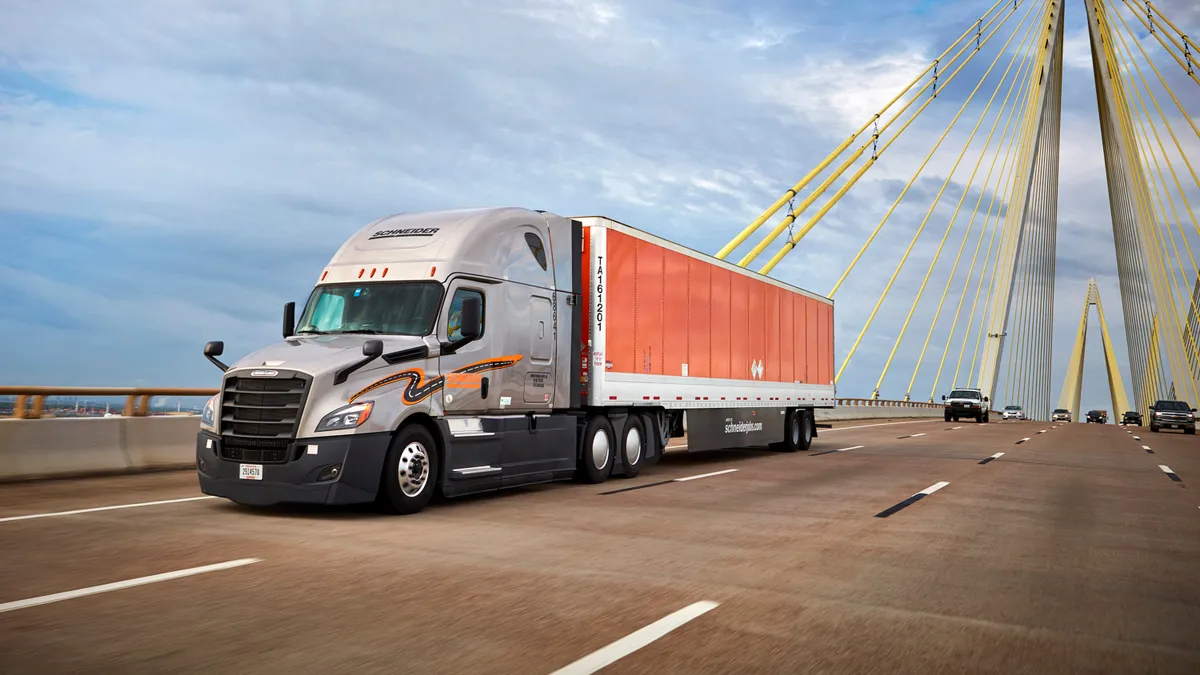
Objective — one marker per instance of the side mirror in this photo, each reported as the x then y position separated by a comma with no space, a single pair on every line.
985,399
1193,410
373,349
472,319
214,349
289,320
943,397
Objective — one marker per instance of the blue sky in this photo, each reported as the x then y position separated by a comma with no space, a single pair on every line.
174,174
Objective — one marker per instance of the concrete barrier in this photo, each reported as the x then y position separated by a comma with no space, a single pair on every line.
90,445
86,445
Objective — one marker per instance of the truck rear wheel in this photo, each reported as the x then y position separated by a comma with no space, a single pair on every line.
596,450
798,431
410,471
634,441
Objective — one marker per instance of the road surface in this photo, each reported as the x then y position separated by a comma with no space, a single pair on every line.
1075,551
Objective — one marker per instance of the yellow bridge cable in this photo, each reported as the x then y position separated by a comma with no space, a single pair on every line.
1154,100
1160,185
1007,174
788,246
1190,70
970,225
792,241
962,198
921,227
1013,222
1191,53
795,189
1150,234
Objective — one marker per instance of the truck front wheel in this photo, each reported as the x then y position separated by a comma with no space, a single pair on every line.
410,471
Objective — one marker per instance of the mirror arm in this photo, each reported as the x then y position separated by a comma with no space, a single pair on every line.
345,373
217,362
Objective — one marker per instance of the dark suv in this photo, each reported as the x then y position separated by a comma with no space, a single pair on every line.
1172,415
1132,417
1097,417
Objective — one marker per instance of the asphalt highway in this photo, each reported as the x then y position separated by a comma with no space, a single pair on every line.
927,547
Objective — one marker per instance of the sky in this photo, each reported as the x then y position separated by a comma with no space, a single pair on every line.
173,173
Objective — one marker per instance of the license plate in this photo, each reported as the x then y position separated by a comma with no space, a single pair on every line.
251,472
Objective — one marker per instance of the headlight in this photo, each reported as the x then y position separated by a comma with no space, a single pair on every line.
208,417
349,417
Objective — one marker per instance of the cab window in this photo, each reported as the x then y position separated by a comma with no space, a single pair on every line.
454,322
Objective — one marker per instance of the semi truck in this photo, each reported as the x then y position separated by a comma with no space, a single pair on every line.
472,350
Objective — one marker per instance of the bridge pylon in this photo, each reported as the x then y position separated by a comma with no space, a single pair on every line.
1073,382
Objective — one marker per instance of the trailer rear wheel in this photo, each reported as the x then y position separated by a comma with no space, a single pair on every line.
634,442
797,432
596,450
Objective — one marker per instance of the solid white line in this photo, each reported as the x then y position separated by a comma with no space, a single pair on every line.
118,585
103,508
635,641
1145,447
854,447
934,488
881,424
1165,468
704,475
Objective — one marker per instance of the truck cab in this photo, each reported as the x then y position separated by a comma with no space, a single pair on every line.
966,403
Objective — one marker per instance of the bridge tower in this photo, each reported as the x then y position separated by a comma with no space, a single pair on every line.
1073,382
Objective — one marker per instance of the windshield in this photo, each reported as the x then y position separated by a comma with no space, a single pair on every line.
1171,405
1060,410
964,393
391,308
1012,407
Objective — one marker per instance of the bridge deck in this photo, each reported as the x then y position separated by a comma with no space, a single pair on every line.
1072,552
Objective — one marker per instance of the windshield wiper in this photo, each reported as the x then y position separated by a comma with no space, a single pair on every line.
361,331
311,331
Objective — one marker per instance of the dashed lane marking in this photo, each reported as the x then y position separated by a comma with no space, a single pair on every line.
912,500
102,508
826,452
669,480
629,644
910,436
1170,474
1021,441
119,585
1147,449
993,458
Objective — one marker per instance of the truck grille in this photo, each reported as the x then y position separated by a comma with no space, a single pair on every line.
265,451
261,409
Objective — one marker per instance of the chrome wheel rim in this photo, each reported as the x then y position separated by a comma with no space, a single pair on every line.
633,445
412,471
600,449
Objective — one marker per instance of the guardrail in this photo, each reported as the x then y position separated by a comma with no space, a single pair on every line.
884,403
137,399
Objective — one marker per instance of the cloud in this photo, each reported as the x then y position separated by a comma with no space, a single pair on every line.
172,174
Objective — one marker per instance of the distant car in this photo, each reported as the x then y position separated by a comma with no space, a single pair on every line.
966,403
1172,415
1061,415
1132,417
1097,417
1013,412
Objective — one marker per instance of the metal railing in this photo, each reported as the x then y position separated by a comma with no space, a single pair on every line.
884,403
137,399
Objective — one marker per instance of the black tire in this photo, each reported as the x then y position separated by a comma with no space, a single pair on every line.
1153,429
410,471
1190,431
588,470
947,417
632,459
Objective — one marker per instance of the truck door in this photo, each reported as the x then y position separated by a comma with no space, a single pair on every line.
473,379
539,378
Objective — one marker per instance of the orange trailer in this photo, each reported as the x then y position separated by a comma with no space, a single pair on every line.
670,328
